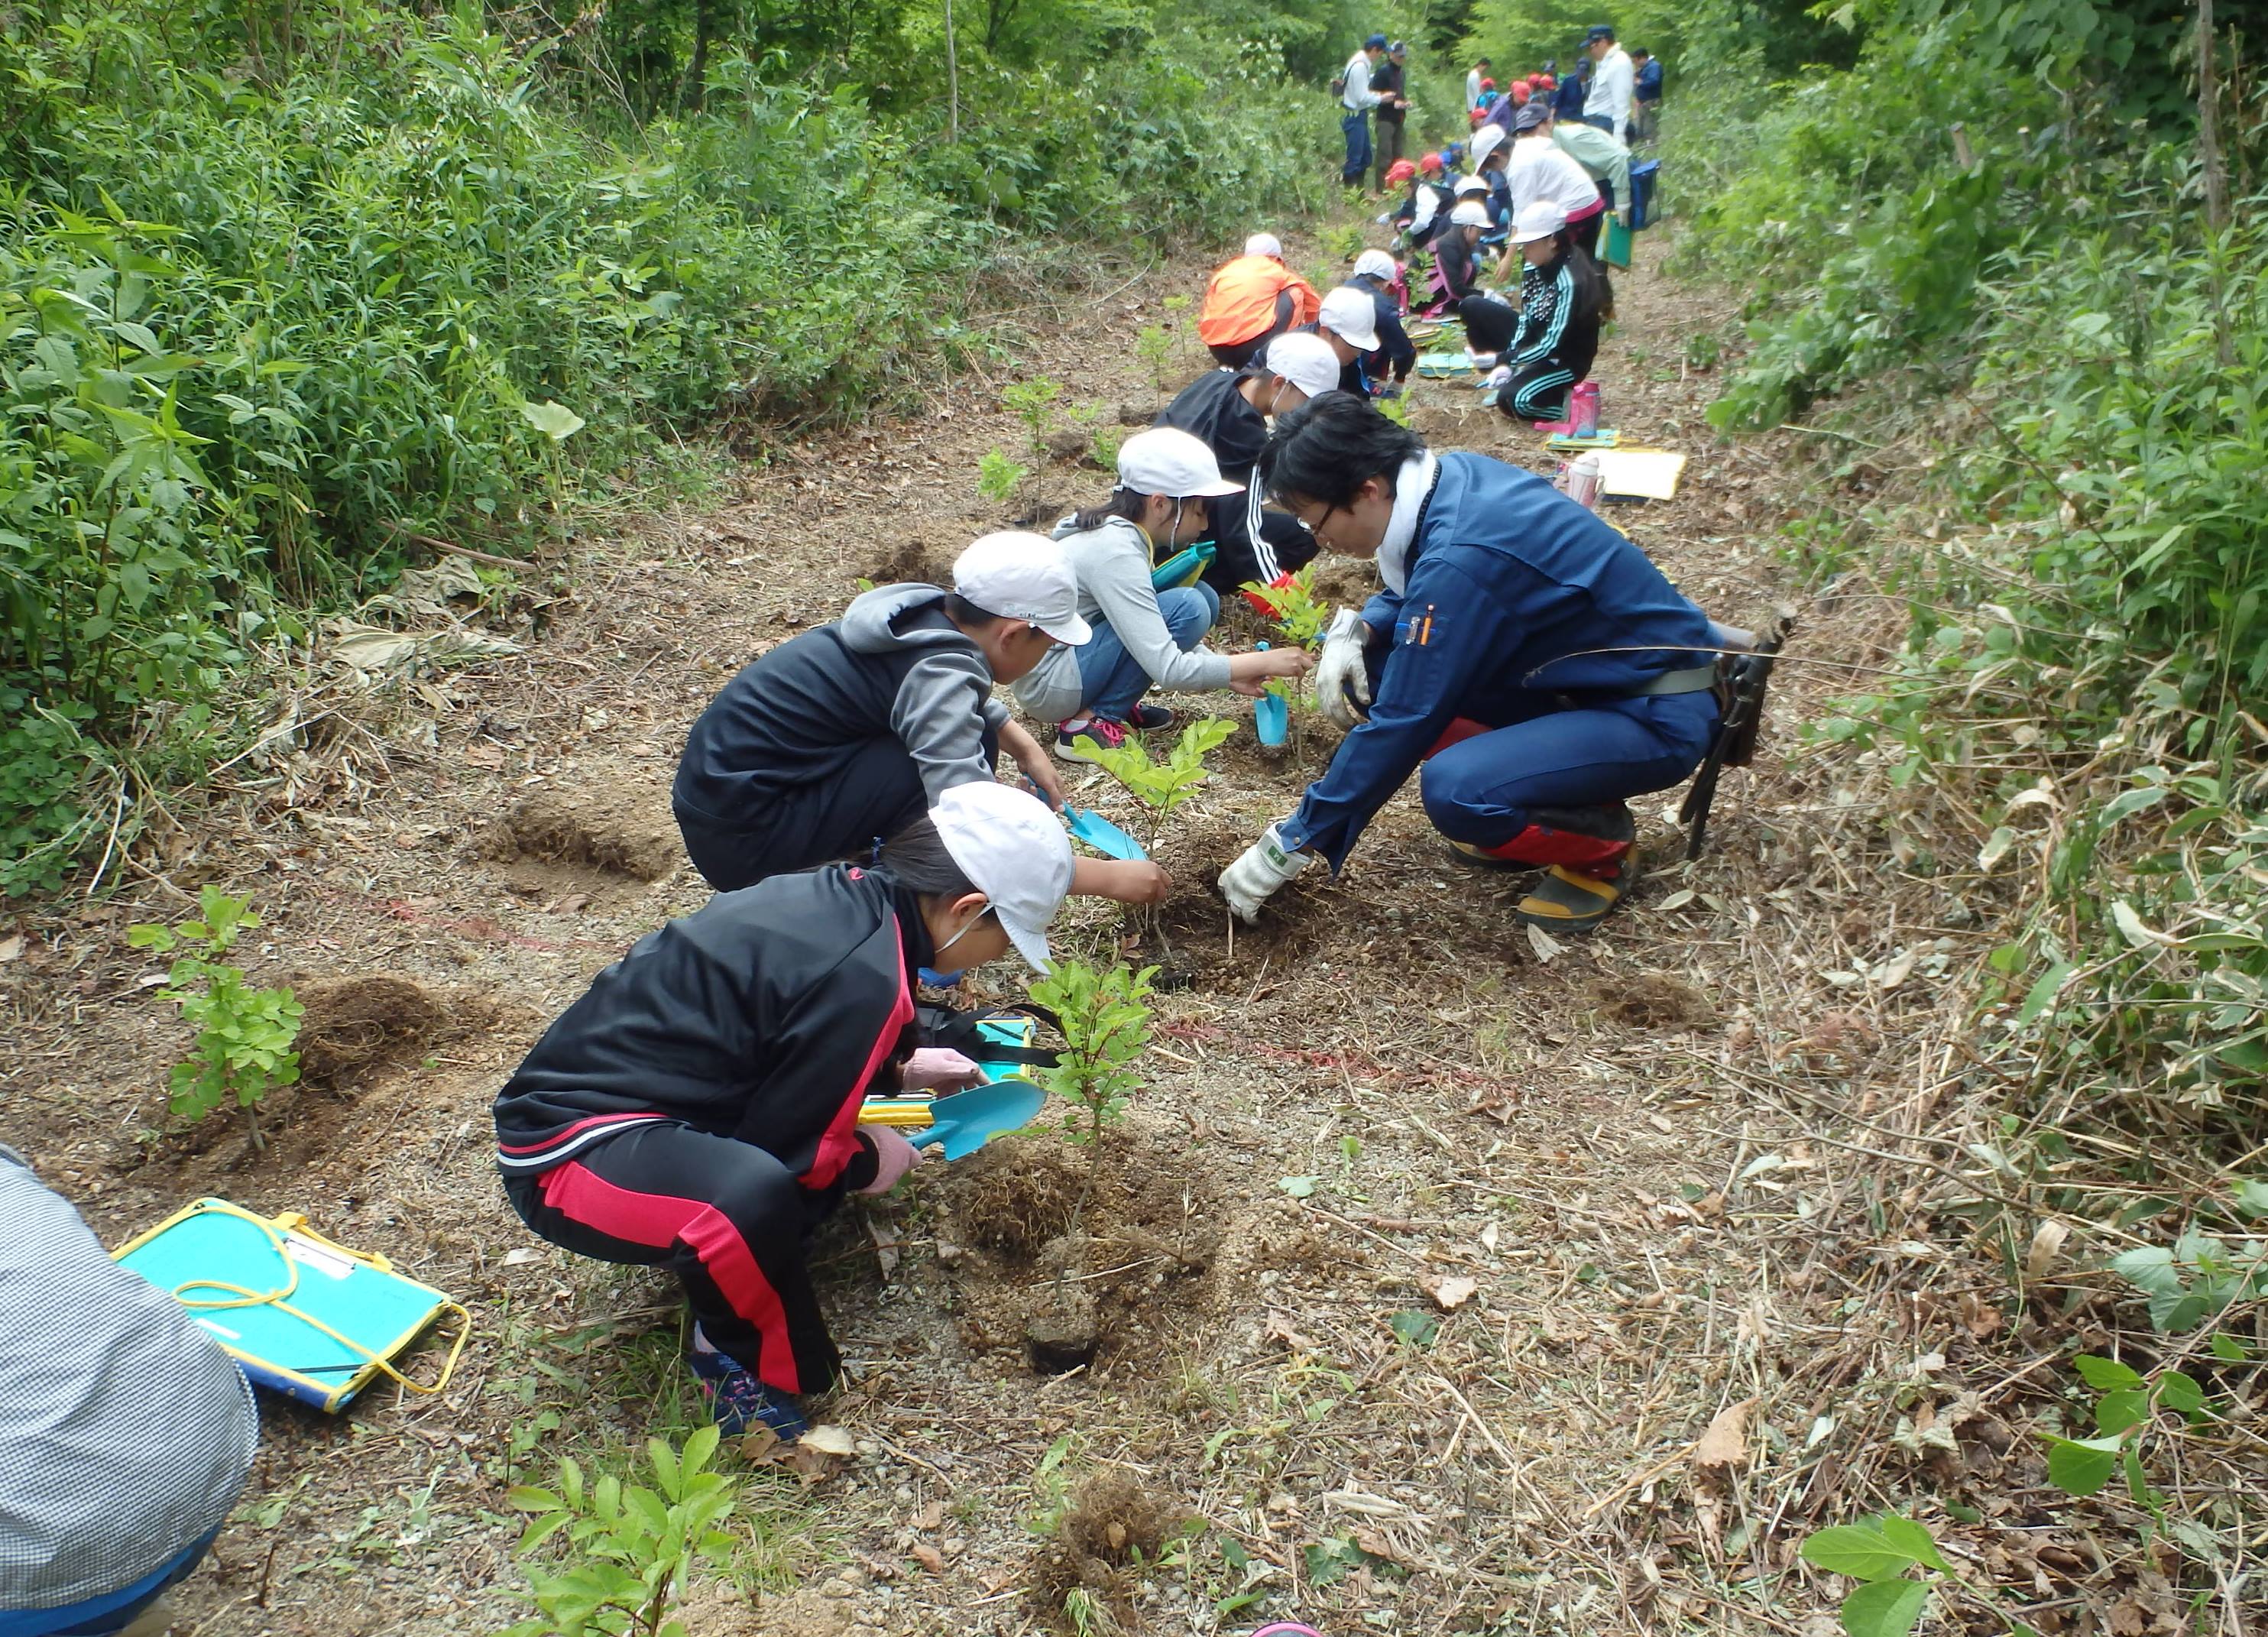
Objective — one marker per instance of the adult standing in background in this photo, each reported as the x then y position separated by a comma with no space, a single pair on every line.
1394,107
1357,99
1479,72
1646,88
1569,90
1606,104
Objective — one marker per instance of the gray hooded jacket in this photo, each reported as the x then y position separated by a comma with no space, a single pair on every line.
893,666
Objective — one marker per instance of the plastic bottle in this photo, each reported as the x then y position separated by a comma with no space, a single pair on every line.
1583,409
1583,482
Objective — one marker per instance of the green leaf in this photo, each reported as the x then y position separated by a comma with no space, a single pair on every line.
1903,1534
2121,1409
665,1466
1417,1328
1299,1187
521,1498
1887,1608
2104,1374
2150,1268
1862,1551
555,421
2181,1393
2081,1466
2228,1349
2043,992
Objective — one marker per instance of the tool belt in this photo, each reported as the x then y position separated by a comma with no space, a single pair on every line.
1740,681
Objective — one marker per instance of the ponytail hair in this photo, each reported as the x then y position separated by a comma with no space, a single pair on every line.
1123,503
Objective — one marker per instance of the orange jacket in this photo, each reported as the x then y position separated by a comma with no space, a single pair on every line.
1240,300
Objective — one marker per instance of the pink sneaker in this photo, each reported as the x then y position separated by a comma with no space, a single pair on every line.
1095,733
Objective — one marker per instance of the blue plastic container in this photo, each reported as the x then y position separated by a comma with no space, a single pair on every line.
1644,177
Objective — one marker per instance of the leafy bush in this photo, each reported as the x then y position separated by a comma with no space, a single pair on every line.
1161,786
632,1550
277,292
1106,1025
244,1035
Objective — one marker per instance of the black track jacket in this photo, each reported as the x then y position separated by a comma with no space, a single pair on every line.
766,1016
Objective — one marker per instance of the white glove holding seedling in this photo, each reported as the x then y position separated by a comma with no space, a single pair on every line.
1342,679
1265,867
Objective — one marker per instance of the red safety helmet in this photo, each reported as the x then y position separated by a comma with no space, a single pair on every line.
1400,171
1518,94
1547,82
1488,84
1429,162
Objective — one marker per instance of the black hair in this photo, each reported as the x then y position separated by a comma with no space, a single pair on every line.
1123,503
962,611
1332,444
917,859
1595,293
1640,51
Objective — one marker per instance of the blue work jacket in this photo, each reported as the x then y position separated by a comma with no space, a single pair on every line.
1510,585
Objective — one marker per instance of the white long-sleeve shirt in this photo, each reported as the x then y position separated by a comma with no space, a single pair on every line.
1358,97
1612,77
1473,89
1538,169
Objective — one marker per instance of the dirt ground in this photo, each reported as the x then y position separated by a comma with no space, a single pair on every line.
1468,1284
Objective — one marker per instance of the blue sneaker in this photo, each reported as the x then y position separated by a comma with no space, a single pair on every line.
938,980
739,1402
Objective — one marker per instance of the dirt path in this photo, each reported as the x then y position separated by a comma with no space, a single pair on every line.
1439,1257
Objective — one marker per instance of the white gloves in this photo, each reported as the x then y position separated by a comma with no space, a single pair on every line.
1262,868
1341,683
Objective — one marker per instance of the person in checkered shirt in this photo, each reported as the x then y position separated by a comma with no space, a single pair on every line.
126,1433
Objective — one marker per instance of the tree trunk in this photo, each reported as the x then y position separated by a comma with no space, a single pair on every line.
952,79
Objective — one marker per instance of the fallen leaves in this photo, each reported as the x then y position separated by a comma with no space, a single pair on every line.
1725,1446
1451,1294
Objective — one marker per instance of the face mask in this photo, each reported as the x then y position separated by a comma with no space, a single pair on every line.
963,933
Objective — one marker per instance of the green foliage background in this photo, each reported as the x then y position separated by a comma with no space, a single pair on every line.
2041,315
279,285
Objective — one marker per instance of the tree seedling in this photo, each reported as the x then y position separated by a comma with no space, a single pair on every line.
1298,615
1105,1018
633,1549
244,1035
1161,786
1154,346
998,475
1033,400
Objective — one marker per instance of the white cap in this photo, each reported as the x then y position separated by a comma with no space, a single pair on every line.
1469,214
1264,244
1353,315
1023,577
1471,184
1486,140
1013,851
1538,219
1376,264
1167,460
1306,361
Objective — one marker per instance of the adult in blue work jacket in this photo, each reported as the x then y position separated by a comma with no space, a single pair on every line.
1534,662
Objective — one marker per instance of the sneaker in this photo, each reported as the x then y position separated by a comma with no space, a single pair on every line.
1072,744
739,1402
1152,718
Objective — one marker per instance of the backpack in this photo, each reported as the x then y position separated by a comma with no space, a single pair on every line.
960,1032
1338,84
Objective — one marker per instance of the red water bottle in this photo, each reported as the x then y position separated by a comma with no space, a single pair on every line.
1583,409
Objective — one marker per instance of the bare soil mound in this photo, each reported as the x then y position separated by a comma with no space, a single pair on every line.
626,830
353,1024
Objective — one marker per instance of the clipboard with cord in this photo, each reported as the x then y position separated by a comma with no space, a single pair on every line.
301,1315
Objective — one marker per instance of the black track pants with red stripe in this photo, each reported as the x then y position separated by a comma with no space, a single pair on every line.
726,1217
